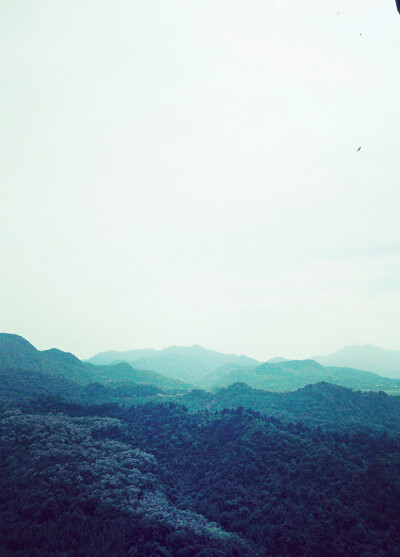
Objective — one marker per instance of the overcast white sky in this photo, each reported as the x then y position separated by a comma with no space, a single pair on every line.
179,172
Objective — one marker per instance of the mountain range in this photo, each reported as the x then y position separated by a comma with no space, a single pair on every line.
208,369
199,366
172,371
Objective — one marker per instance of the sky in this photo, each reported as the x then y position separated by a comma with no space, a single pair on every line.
188,172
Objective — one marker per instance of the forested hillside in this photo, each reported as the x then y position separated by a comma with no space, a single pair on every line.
156,479
81,487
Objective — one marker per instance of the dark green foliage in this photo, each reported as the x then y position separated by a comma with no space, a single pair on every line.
286,489
75,486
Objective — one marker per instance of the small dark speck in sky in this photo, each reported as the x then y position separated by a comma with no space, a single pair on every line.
358,149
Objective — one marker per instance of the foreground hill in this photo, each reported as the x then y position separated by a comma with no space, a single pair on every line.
26,371
187,363
368,358
293,374
157,480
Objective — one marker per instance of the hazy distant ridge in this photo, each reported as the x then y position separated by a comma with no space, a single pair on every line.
367,357
187,363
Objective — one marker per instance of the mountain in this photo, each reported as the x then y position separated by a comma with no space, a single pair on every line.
26,371
293,374
367,357
186,363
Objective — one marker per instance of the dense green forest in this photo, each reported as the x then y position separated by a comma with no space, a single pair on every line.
80,486
157,479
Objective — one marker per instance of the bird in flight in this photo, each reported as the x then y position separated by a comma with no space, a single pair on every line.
358,149
398,5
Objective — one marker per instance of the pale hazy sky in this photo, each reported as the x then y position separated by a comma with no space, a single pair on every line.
180,172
